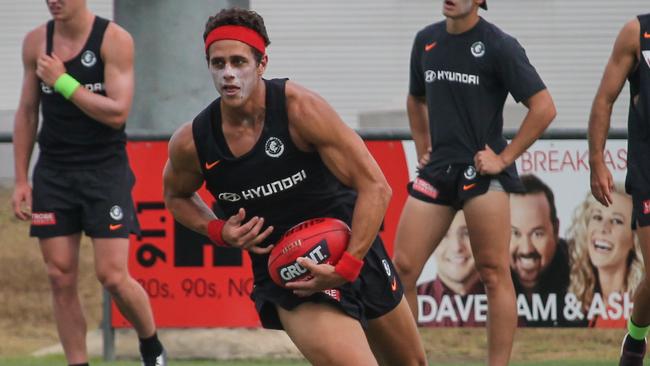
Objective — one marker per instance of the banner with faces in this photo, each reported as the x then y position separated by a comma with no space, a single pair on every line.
575,265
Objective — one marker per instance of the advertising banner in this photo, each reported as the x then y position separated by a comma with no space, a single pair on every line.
579,270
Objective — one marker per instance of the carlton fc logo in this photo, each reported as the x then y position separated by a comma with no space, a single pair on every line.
116,213
478,49
88,58
470,172
274,147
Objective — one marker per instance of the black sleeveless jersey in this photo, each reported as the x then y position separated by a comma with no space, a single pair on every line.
69,138
465,79
274,180
638,168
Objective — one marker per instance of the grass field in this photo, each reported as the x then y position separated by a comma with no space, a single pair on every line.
61,361
26,323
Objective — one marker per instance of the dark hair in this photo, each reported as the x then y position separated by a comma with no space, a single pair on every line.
533,185
238,16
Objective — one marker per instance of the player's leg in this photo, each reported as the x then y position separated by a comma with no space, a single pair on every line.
421,227
394,338
109,218
488,223
326,336
56,222
634,346
111,260
61,256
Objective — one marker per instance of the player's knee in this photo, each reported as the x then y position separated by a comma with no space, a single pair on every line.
493,274
111,281
62,279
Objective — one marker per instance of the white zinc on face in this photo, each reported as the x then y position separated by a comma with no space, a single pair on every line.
235,72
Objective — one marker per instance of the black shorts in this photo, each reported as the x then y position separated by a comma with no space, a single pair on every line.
454,184
639,188
376,292
97,201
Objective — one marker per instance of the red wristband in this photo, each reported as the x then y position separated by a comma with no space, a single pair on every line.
348,267
215,229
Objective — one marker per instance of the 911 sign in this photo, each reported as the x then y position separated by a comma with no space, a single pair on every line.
186,276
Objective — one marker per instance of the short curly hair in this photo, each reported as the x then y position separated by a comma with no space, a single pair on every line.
238,16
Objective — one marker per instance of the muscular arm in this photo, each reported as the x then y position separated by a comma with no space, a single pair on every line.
315,125
182,177
112,109
26,118
25,126
541,112
621,63
416,107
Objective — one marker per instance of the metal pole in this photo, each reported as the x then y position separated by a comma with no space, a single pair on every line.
108,332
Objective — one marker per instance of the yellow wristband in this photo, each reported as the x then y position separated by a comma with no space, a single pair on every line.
66,85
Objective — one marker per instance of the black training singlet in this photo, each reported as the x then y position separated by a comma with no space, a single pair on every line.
465,79
274,180
638,168
69,138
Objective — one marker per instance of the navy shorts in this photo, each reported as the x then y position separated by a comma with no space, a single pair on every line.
374,293
640,204
97,201
454,184
637,180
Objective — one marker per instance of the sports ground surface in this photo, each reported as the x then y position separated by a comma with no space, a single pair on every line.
26,324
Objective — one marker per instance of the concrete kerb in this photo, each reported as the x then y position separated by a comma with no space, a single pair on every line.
200,343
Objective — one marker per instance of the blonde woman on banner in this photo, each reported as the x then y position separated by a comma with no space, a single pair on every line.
606,262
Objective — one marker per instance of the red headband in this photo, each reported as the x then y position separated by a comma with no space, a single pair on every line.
237,33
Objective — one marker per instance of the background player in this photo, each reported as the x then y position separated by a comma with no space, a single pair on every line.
630,59
462,69
80,68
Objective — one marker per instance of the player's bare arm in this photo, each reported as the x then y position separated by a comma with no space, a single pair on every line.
416,108
117,54
622,61
541,112
182,178
26,124
314,125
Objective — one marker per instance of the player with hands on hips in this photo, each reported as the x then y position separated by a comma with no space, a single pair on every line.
462,69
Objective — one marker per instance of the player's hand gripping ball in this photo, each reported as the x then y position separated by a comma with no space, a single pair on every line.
322,240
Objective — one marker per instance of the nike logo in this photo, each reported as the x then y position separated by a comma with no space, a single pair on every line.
114,227
393,285
646,35
467,187
209,166
428,47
